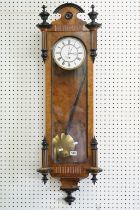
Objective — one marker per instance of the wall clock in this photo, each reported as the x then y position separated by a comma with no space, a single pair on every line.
69,147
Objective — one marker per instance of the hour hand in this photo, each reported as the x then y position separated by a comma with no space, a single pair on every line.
74,53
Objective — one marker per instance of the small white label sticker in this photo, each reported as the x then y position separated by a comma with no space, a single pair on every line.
73,153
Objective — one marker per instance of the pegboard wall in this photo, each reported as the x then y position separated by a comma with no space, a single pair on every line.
117,105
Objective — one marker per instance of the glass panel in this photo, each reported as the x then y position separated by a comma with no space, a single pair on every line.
69,114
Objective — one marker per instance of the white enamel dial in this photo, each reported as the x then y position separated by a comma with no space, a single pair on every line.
69,53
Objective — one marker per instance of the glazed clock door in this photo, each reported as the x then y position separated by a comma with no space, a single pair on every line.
69,101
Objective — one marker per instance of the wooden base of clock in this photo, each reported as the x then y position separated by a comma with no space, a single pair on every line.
69,184
70,177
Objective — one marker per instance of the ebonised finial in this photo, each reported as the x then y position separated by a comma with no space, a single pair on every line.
44,143
93,16
94,143
44,16
69,199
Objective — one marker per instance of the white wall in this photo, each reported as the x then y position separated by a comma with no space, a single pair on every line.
117,103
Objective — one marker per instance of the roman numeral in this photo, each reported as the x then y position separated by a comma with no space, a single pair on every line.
63,63
78,58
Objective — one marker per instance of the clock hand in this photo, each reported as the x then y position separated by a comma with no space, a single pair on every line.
70,49
73,53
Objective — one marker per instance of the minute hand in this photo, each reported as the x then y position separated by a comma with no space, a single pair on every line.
73,53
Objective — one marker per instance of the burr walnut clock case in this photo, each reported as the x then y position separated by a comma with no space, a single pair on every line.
69,148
